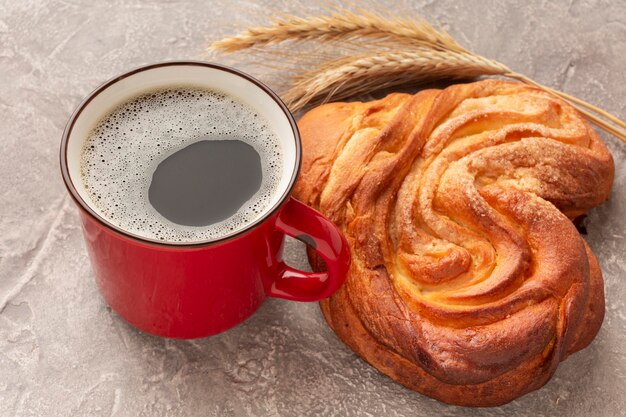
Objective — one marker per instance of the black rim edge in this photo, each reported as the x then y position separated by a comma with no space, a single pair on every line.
81,202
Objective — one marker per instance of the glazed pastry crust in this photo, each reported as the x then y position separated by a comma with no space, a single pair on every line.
469,282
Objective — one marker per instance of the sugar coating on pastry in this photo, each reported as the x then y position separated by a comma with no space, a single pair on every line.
469,282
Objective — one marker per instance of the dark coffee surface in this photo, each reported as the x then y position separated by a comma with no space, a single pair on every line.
203,191
206,182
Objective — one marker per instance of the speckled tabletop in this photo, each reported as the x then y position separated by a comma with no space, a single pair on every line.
64,352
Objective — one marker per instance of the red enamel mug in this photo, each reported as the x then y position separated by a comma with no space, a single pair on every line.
200,289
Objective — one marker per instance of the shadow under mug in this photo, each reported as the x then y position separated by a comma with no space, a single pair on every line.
201,289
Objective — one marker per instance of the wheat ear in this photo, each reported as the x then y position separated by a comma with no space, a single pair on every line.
347,77
398,51
341,26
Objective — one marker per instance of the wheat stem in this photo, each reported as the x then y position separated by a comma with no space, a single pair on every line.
583,107
398,51
570,98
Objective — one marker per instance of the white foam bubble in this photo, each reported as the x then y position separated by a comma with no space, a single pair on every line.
123,150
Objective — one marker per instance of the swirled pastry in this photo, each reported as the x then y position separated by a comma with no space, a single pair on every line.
469,282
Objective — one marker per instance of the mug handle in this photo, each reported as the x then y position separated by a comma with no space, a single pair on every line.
309,226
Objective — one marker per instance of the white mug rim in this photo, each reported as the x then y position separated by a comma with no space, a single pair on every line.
133,236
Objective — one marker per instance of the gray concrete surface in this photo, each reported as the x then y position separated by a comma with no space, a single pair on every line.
62,350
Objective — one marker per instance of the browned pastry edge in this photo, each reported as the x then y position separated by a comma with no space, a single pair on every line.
510,338
496,392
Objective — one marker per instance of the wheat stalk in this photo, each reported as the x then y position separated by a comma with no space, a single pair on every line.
387,51
347,77
343,25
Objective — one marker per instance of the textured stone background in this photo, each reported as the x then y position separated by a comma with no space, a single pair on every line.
62,350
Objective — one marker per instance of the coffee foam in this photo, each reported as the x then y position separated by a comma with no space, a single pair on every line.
123,150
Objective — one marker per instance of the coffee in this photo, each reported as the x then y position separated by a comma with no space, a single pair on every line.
182,164
206,182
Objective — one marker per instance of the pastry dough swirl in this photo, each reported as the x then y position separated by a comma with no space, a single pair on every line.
469,282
